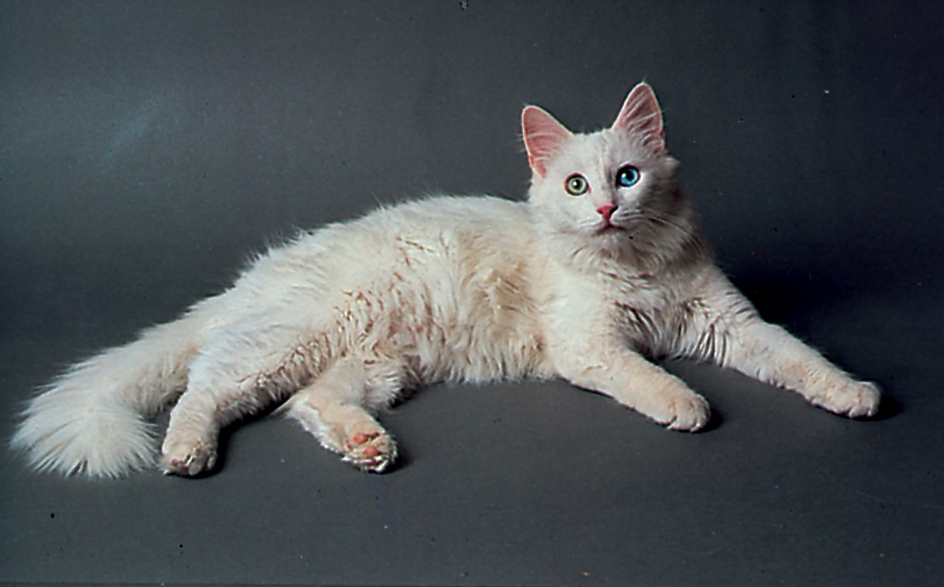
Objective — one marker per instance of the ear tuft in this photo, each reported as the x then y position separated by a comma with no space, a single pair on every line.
543,136
641,114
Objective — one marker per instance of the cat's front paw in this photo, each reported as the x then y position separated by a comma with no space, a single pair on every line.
678,408
855,399
370,451
188,458
690,413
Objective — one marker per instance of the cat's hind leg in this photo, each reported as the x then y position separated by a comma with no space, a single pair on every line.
190,445
336,409
219,393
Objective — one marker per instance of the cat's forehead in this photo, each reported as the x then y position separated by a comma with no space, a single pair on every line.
624,147
600,151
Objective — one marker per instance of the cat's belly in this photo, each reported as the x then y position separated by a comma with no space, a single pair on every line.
443,285
472,327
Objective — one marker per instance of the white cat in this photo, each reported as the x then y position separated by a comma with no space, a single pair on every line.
604,265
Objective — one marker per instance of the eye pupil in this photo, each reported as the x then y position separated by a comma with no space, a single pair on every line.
627,176
576,185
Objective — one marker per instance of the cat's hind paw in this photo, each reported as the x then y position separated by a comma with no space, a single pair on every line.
188,459
373,451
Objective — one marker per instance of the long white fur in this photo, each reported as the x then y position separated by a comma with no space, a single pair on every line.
341,320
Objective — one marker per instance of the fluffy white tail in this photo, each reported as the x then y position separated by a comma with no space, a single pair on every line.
93,419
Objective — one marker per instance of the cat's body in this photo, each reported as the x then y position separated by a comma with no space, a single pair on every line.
604,265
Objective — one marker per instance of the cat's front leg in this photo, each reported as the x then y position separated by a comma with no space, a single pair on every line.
615,370
771,354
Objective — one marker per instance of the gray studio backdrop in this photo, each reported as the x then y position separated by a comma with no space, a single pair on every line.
147,149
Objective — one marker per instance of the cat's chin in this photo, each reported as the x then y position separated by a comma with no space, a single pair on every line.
612,238
612,232
616,240
609,229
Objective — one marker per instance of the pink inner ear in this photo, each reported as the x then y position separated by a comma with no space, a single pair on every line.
543,136
641,114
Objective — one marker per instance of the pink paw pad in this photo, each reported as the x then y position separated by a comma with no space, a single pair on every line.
360,439
372,451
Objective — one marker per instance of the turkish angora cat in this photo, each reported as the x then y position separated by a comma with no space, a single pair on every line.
604,265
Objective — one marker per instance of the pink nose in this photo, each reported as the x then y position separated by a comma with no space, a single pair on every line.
606,211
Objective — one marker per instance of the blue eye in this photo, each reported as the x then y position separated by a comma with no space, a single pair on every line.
627,177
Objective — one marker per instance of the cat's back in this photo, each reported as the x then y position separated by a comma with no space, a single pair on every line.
443,239
454,224
420,234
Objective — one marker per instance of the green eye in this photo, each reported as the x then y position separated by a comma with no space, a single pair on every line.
576,185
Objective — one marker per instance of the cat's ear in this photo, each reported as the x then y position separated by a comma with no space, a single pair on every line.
543,136
641,114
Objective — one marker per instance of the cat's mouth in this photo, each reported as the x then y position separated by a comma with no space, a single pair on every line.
630,223
607,226
617,232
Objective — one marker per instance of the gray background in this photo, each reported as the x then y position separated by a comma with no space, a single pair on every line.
148,148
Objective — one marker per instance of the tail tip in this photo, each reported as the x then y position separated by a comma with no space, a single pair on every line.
108,443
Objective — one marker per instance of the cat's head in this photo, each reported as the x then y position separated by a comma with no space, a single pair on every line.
613,189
